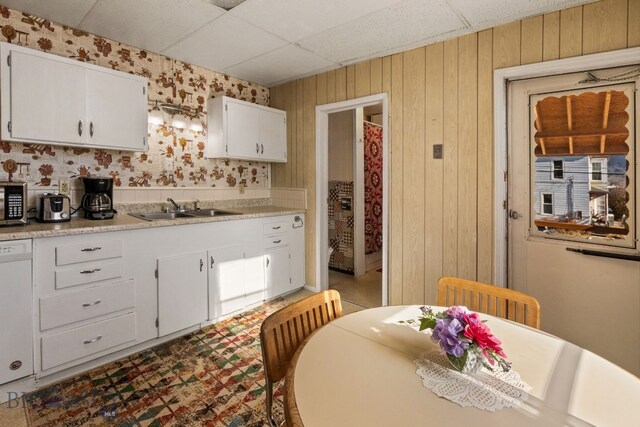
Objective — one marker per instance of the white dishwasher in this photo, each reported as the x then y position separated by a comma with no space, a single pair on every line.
16,312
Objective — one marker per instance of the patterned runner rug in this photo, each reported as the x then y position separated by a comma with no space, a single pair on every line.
212,377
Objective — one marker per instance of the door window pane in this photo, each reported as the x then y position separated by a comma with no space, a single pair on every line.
582,174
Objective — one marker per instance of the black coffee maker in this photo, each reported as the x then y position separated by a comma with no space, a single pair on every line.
97,202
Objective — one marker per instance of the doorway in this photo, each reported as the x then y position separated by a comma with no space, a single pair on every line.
572,206
352,203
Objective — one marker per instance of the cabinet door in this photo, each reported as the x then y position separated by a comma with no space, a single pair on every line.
254,274
182,291
243,136
226,280
273,135
277,270
116,111
47,100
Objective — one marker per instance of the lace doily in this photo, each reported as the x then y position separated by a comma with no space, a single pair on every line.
484,390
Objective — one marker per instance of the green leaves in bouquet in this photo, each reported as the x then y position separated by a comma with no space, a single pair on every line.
427,323
458,362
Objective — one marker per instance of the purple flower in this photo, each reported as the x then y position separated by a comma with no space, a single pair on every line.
457,312
445,333
426,310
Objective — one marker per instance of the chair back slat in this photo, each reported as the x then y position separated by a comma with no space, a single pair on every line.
283,331
489,299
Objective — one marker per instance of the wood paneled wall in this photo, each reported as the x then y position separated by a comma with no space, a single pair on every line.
441,210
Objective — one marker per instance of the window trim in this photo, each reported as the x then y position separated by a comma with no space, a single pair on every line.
542,203
553,170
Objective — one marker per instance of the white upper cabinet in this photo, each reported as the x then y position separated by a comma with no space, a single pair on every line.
48,99
116,110
243,130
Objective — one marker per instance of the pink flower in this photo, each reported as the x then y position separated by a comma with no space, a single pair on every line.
481,334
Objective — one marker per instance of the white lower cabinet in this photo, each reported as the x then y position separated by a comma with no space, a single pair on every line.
182,291
101,293
83,341
277,270
227,288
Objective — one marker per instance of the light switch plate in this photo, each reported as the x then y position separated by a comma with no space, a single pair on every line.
437,151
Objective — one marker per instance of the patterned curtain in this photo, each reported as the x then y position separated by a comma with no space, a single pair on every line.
372,187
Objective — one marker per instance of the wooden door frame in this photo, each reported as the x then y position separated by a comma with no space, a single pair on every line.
322,187
501,78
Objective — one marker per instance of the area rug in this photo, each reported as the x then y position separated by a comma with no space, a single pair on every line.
212,377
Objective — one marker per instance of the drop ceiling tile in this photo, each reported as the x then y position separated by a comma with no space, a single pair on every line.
149,24
410,23
66,12
224,42
288,62
486,13
297,19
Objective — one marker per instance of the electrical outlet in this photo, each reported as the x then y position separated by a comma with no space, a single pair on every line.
168,163
63,186
241,187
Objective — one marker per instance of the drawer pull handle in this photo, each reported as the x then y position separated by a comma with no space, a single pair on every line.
96,339
276,228
97,248
90,304
212,262
90,271
277,241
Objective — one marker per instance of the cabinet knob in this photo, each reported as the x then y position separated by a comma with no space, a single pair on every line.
91,129
212,262
201,264
257,148
277,241
96,248
79,127
267,261
261,149
95,270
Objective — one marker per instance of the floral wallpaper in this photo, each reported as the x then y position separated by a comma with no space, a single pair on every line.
170,81
372,187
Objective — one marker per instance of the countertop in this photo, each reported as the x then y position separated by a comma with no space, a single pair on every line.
123,221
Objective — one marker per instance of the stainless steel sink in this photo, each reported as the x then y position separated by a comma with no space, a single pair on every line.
211,212
161,215
155,216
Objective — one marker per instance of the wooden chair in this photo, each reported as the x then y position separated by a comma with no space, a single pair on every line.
283,331
489,299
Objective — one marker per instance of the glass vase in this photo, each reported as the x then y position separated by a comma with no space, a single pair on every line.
471,365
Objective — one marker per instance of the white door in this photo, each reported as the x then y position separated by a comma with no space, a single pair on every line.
47,100
254,274
572,186
116,111
182,291
273,135
243,135
226,280
277,270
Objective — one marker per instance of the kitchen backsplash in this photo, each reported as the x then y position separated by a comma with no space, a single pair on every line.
171,81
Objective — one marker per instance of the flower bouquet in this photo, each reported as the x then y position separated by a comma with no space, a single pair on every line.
465,339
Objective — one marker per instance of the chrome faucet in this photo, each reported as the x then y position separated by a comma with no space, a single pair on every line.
178,207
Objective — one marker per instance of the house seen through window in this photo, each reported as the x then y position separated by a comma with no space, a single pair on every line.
580,165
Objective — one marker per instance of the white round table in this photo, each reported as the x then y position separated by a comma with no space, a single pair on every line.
359,371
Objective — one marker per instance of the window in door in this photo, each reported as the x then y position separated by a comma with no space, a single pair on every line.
583,172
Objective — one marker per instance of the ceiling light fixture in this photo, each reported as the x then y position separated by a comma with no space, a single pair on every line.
226,4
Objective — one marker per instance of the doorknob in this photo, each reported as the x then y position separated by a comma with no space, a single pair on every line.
514,214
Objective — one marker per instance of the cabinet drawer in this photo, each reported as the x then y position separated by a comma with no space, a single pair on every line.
80,342
73,307
276,227
88,273
275,241
88,252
